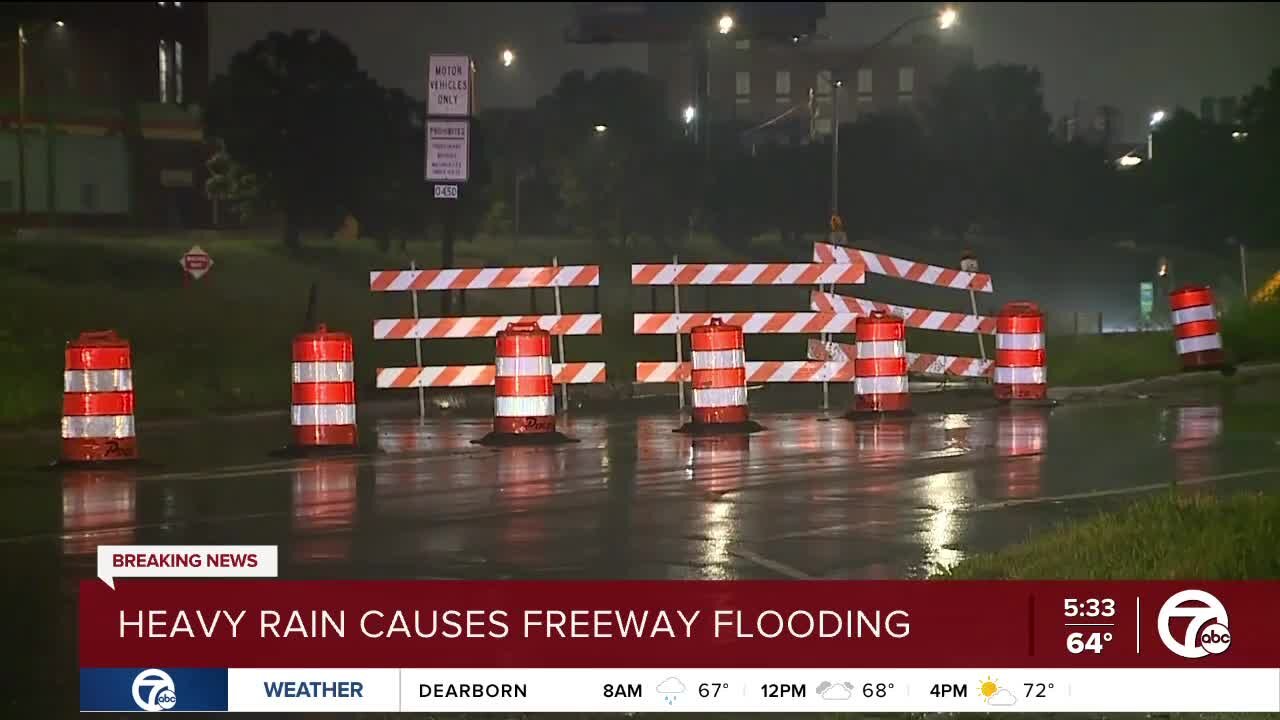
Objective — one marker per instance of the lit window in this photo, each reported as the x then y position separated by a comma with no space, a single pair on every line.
823,126
782,82
177,4
743,44
824,82
164,71
162,4
742,83
864,81
906,79
177,71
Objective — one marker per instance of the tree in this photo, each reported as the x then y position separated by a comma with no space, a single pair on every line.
232,188
297,111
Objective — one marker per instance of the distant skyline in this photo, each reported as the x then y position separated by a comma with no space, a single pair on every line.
1135,56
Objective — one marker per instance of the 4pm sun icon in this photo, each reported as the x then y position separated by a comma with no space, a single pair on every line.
993,694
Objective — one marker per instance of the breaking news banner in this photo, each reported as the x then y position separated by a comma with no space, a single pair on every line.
192,628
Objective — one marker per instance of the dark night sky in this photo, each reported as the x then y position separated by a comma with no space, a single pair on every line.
1132,55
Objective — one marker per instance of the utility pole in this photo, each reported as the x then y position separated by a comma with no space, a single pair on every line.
22,126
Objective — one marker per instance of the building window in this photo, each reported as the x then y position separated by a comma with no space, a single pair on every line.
782,82
164,71
177,4
864,81
177,71
742,43
824,82
6,194
906,79
742,83
89,196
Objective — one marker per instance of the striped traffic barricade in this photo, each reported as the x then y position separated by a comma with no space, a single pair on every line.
1020,373
881,366
524,404
417,328
97,400
323,411
917,363
718,380
1197,335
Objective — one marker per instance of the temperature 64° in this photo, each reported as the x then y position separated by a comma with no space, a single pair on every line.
1078,642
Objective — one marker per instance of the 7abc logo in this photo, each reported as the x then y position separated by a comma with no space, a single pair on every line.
153,691
1206,632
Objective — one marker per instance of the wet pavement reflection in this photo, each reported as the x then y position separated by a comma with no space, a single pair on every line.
809,497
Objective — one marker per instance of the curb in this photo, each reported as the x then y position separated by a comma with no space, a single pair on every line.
1165,382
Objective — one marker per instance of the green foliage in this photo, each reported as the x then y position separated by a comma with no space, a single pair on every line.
1252,332
1167,537
235,188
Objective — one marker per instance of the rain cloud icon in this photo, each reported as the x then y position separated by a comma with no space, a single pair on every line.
670,688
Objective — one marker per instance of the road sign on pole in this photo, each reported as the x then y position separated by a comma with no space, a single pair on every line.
196,262
449,86
1146,301
446,192
447,151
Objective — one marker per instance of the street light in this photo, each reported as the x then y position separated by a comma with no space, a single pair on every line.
947,18
600,129
690,113
726,24
508,57
1157,117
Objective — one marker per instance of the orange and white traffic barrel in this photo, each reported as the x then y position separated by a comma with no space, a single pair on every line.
1020,372
524,403
1195,328
880,367
324,390
97,400
719,380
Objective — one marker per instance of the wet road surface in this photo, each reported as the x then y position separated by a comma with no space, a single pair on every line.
807,498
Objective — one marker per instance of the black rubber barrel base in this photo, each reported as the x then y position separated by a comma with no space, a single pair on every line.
497,439
704,429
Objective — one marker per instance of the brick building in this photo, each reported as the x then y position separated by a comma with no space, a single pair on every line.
753,80
108,97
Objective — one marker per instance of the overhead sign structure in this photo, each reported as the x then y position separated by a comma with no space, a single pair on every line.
196,262
447,151
449,86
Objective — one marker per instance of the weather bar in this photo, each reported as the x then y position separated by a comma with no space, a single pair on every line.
686,690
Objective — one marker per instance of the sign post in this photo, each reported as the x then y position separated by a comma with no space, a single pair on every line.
450,101
195,264
969,263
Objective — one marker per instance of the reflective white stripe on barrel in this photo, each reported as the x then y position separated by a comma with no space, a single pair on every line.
720,397
1019,375
1019,341
97,426
1193,314
524,406
882,385
718,359
97,380
882,349
315,372
1199,344
324,414
521,366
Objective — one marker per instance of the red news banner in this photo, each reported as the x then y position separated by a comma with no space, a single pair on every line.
650,624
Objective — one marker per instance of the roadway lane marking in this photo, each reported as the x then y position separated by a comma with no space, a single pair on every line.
1092,494
778,567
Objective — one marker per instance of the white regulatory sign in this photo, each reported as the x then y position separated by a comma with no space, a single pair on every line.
447,192
449,85
446,151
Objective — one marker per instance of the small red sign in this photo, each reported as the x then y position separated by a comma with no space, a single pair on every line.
196,262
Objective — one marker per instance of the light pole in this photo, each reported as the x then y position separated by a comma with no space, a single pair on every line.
945,18
1157,117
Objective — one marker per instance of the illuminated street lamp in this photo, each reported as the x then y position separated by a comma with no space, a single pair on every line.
600,129
725,26
947,18
1157,117
508,57
690,113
